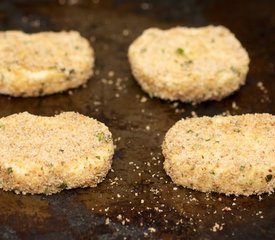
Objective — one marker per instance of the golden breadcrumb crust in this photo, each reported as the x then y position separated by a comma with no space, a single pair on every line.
231,155
43,63
189,64
49,154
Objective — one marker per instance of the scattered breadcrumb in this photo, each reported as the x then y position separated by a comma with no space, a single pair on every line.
235,106
261,86
217,227
148,128
125,32
226,209
111,74
194,114
145,6
107,221
152,229
143,100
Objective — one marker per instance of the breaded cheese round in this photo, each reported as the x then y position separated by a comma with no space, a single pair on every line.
230,155
43,63
49,154
189,64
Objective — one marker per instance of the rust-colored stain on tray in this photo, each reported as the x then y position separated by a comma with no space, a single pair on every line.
137,200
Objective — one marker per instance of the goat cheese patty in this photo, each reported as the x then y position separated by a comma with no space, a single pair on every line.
189,64
43,63
231,155
49,154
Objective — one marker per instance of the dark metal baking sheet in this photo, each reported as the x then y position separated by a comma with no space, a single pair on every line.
137,199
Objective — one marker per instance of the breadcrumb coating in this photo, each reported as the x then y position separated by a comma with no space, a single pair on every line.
231,155
49,154
43,63
189,64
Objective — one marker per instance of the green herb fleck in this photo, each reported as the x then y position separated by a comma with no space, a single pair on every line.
2,125
197,146
189,131
143,50
242,168
100,136
76,47
9,170
208,139
180,51
202,156
98,157
46,190
2,77
268,177
212,172
235,70
62,186
237,130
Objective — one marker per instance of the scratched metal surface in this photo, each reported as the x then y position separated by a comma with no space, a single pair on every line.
137,198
